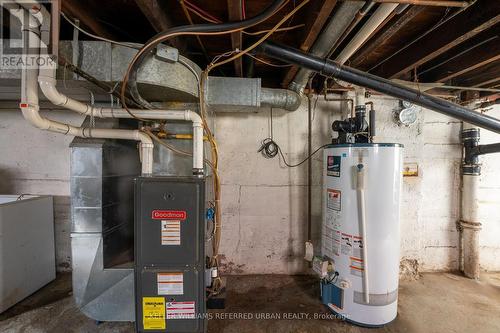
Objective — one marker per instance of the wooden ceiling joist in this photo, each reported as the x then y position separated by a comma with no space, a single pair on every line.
389,32
157,16
484,77
76,10
234,8
465,58
458,29
314,23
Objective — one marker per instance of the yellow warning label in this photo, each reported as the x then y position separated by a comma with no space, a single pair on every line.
153,313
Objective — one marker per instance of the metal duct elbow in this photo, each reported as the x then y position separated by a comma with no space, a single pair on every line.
327,39
280,98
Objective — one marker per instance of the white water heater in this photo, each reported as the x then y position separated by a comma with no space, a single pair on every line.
360,231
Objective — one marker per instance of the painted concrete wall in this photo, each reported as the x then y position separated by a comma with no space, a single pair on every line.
264,202
37,162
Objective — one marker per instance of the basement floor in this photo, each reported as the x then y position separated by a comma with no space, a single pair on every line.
436,302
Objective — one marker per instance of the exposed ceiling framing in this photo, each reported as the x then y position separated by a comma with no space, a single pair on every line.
452,42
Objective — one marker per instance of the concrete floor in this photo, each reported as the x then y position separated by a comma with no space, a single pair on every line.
438,302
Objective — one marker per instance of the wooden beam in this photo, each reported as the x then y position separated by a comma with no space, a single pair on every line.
458,29
235,14
314,23
156,13
388,33
467,58
437,3
484,77
74,8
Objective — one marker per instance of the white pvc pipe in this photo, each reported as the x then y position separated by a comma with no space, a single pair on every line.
382,12
470,226
30,108
469,223
360,190
47,82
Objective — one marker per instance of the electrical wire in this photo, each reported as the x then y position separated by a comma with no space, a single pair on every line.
201,12
270,148
186,10
130,45
211,66
266,62
261,40
256,33
198,29
200,15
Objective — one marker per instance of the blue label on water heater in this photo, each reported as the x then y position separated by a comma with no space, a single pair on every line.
333,166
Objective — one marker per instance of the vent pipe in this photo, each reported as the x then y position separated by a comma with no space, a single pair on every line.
332,69
325,41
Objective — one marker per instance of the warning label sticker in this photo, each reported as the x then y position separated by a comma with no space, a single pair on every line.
336,242
357,246
334,200
170,232
356,266
346,244
170,283
181,310
333,166
153,313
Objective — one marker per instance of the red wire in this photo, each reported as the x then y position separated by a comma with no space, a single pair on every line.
199,10
243,9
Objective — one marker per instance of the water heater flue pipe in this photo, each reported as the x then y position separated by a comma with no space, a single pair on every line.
332,69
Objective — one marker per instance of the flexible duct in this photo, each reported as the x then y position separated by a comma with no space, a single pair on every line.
280,98
325,41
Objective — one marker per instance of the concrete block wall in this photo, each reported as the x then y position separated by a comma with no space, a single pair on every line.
37,162
264,202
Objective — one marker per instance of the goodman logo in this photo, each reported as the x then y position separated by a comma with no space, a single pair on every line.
168,215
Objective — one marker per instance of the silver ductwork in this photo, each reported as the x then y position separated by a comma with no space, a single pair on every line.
280,98
328,37
159,80
232,94
102,223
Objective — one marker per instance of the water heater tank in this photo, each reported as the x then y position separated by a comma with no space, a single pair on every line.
360,231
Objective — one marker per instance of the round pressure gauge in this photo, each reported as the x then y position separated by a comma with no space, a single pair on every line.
406,104
407,116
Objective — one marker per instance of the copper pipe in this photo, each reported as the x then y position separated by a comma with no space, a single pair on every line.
348,100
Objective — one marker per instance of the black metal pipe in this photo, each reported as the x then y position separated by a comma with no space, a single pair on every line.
331,69
486,149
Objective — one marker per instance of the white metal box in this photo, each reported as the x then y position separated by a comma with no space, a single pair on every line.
27,251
